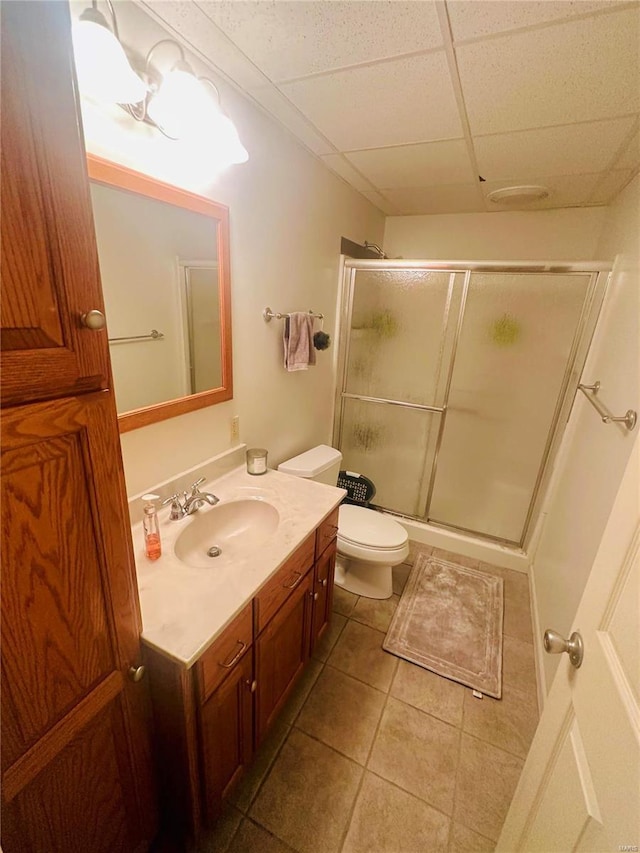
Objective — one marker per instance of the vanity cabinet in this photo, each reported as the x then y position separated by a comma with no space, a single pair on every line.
326,547
226,687
282,651
211,717
76,757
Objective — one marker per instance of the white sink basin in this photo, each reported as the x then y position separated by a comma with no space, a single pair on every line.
234,529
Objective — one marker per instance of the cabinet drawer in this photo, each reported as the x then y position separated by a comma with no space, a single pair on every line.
327,532
220,658
276,591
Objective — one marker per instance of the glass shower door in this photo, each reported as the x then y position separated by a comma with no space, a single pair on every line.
510,372
399,338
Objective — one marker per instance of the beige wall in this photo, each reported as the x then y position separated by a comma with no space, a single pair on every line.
593,456
570,234
287,215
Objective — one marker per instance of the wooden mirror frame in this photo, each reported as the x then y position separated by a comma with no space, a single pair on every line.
111,174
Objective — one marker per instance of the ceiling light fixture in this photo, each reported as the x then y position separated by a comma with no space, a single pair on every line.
104,72
518,194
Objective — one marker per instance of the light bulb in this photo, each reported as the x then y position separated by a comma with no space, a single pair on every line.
178,104
103,70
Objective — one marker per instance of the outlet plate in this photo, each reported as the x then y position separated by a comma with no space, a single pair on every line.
235,428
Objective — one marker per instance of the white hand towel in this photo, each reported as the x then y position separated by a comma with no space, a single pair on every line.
299,352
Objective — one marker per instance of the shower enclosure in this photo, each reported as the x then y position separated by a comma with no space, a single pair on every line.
454,381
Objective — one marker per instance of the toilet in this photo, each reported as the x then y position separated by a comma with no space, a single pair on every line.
369,543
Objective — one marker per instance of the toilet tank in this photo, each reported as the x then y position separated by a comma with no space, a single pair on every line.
321,463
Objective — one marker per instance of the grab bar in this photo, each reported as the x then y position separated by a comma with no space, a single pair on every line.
629,419
154,335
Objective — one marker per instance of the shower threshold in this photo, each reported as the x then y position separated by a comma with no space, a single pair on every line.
502,554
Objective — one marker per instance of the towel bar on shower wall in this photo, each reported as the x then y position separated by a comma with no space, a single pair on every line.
590,391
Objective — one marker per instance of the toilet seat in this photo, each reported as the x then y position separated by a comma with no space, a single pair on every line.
364,534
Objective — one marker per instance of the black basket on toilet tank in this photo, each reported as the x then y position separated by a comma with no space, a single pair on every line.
360,489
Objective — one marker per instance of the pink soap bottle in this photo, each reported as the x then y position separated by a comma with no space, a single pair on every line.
152,544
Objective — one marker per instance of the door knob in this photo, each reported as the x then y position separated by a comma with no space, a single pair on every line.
94,320
555,644
136,673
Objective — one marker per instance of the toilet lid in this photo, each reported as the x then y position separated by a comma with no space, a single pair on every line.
370,528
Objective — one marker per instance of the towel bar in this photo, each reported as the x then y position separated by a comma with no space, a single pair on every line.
154,335
269,315
629,419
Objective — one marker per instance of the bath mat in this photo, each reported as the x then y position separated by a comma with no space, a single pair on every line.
449,620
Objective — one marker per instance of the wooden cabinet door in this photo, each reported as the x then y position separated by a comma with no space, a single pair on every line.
282,650
76,763
50,274
226,733
322,592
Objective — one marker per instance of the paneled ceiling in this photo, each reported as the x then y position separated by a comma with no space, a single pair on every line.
427,106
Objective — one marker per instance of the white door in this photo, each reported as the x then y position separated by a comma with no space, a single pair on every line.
580,785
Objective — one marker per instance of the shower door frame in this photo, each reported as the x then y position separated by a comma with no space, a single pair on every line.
599,272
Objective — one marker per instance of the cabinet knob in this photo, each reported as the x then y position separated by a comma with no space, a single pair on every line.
314,595
252,685
323,582
136,673
94,320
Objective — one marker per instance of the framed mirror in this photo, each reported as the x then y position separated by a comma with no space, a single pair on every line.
164,264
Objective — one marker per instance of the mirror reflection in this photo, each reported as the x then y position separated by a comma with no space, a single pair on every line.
166,296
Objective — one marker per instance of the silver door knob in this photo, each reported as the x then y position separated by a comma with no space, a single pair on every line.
94,320
555,644
136,673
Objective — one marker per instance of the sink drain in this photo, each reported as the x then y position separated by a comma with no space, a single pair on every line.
214,551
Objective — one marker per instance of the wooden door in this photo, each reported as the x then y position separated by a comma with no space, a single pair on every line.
282,650
50,274
322,593
76,763
580,786
226,730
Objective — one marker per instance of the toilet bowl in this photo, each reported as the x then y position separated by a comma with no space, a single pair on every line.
369,543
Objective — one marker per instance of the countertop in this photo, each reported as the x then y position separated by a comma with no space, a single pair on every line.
184,609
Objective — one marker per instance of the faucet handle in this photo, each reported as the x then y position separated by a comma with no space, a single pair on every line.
194,486
177,510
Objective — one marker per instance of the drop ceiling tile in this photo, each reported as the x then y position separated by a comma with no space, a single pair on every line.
197,31
463,198
584,70
472,19
382,203
425,165
401,101
275,103
338,164
564,191
565,150
630,158
610,185
293,39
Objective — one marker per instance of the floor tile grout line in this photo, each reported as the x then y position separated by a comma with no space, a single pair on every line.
366,763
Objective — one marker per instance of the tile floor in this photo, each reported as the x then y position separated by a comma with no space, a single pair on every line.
376,755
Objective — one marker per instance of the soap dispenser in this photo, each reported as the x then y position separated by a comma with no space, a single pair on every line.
152,545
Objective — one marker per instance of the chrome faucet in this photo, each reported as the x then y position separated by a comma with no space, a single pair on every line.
192,502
